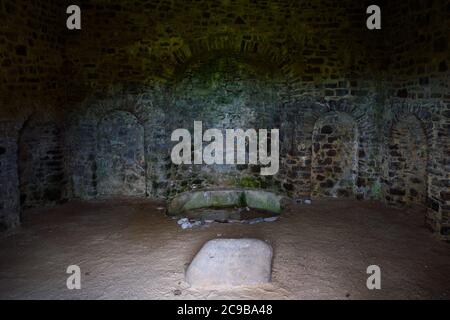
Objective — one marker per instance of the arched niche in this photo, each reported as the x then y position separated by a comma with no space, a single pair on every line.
408,157
225,91
120,160
40,163
334,165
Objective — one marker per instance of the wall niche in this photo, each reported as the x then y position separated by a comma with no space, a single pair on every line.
120,161
408,157
334,165
40,163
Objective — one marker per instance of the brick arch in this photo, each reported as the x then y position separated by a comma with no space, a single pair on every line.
239,95
249,46
120,164
421,112
408,157
296,135
146,105
334,156
428,117
129,104
366,134
422,115
40,162
136,105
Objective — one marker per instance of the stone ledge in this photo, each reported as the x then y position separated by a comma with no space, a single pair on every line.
185,202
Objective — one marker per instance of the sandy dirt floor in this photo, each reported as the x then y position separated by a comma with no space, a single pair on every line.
129,249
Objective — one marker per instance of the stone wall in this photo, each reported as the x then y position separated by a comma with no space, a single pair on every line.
225,92
408,162
419,81
140,69
30,56
321,46
118,146
222,109
120,162
41,165
335,156
30,64
232,65
9,180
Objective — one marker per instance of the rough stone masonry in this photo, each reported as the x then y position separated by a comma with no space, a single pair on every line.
88,113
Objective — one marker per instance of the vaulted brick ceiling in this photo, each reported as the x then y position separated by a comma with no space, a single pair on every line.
150,42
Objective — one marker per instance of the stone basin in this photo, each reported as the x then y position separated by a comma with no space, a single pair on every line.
195,204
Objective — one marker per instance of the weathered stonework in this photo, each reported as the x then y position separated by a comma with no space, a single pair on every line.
30,56
361,113
41,165
408,162
9,180
120,162
335,156
225,198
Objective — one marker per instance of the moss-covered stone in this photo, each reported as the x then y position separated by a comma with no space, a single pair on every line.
238,198
249,182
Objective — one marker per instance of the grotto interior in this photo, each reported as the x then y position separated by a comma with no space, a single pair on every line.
86,118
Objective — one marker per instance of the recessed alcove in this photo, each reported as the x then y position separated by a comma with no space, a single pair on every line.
334,156
354,121
408,162
120,162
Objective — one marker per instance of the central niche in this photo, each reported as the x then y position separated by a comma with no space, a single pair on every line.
334,156
224,92
120,159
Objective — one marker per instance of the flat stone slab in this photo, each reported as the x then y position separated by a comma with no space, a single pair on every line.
186,203
231,262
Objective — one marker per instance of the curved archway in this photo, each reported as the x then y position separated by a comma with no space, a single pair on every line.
120,162
224,92
40,163
249,45
334,165
408,157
